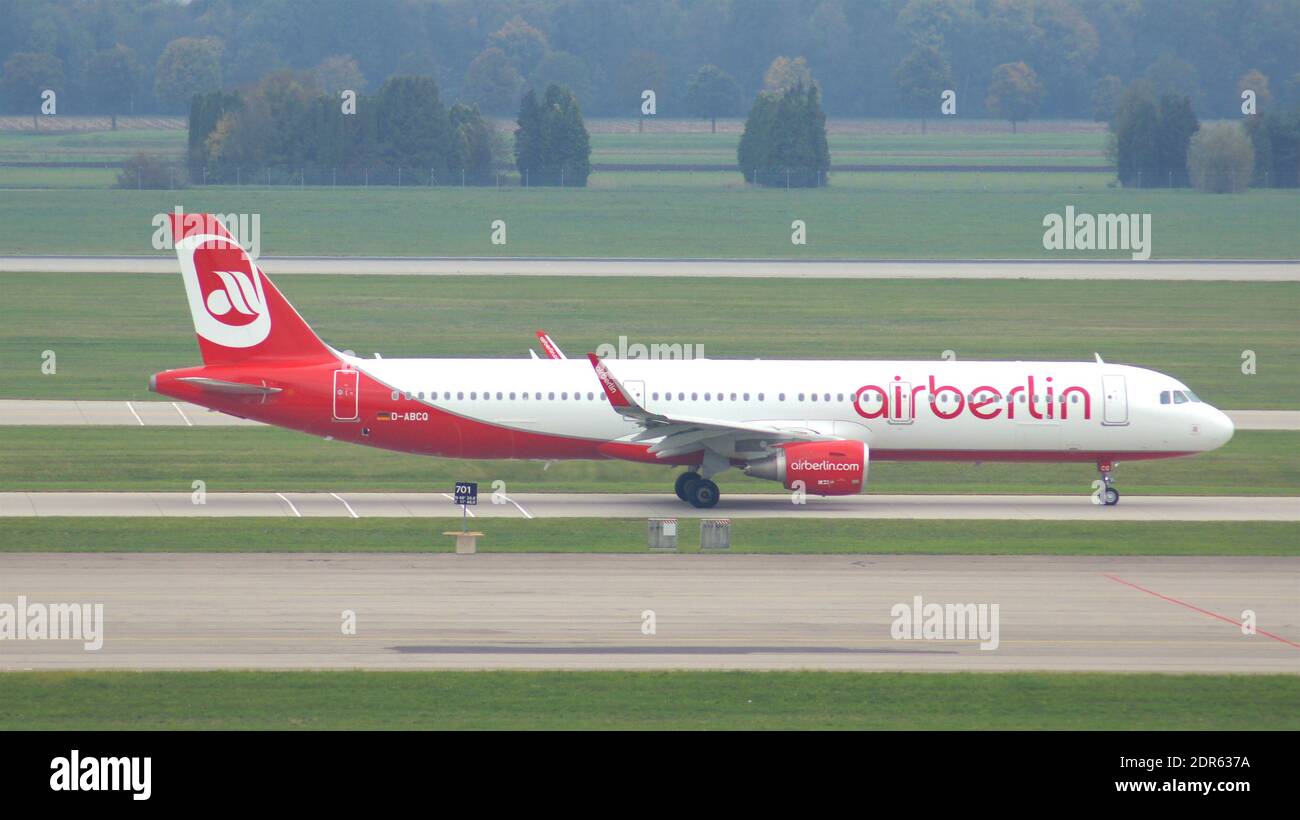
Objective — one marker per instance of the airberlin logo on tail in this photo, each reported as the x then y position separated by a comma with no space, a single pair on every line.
225,290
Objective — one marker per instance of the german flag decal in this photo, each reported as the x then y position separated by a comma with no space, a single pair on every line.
383,416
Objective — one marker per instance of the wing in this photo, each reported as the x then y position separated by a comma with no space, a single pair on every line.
680,434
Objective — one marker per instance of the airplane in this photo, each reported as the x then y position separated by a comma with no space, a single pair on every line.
809,425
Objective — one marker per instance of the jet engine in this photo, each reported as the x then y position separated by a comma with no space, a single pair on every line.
824,467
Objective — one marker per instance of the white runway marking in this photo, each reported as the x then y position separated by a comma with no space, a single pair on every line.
290,503
137,415
351,511
188,423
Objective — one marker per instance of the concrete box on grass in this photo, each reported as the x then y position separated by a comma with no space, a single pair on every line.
663,534
715,534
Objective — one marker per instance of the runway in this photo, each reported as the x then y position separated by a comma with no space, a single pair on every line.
205,611
16,412
1188,270
651,505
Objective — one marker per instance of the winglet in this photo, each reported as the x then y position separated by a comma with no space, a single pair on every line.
552,349
1097,356
618,397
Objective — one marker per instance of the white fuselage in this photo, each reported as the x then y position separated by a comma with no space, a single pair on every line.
958,410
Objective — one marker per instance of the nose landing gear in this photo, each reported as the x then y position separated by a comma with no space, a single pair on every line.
1108,495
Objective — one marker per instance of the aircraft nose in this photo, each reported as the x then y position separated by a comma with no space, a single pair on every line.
1218,427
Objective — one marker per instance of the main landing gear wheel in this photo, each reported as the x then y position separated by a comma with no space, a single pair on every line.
1110,497
684,479
702,493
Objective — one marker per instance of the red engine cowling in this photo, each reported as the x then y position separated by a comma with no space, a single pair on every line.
824,467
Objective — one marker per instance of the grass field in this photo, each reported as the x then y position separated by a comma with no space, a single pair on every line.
628,535
164,459
639,149
110,332
643,700
976,219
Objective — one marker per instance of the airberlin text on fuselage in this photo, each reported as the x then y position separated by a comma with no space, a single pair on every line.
1042,400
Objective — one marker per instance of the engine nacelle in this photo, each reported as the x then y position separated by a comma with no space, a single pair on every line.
824,467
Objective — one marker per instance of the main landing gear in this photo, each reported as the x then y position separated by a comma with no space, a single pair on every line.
1109,495
697,491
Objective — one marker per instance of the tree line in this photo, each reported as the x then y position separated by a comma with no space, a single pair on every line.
286,122
874,58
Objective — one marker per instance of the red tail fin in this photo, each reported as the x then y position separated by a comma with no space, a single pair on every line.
238,314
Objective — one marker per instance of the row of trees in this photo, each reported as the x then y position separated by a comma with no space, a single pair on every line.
608,51
1158,142
287,121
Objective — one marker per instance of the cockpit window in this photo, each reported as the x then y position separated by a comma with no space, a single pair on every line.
1179,397
1192,396
1164,397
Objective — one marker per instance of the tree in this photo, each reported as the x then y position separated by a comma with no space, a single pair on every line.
784,142
1256,81
640,71
712,93
784,73
1105,98
1221,158
492,81
552,146
524,45
338,74
922,77
563,69
27,75
1175,125
206,111
1170,75
1276,139
188,66
528,135
112,76
473,143
1134,133
1015,93
412,125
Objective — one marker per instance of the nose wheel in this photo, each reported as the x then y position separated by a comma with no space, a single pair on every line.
1109,495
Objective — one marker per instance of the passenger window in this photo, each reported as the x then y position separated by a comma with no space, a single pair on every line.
498,395
550,396
512,396
745,396
760,396
706,396
801,397
695,397
781,397
396,395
